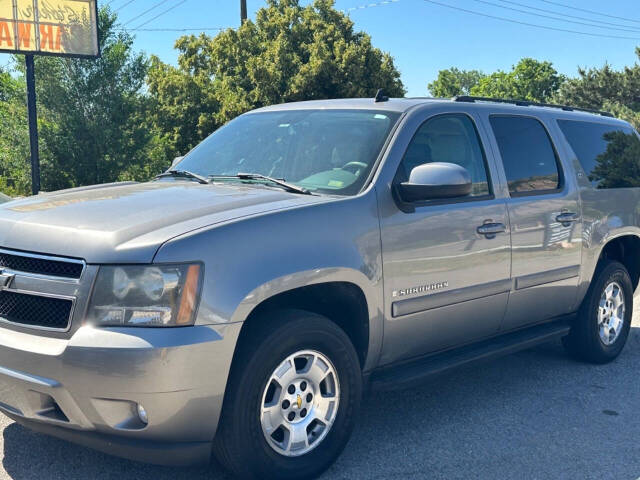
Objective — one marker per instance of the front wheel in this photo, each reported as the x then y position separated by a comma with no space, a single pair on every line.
602,327
292,398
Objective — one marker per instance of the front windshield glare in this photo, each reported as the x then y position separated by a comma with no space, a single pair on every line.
325,151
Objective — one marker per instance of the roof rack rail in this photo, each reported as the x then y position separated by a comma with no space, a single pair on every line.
526,103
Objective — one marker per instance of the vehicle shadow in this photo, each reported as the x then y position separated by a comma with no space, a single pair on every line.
534,414
29,455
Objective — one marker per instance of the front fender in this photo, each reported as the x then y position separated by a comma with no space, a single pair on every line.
249,260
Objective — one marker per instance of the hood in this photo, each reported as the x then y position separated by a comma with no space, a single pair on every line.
127,222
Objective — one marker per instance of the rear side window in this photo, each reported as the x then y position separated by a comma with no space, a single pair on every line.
529,159
609,154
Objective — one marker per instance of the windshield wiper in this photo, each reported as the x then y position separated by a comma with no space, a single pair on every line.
276,181
184,174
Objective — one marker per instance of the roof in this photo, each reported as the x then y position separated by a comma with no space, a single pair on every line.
401,105
393,104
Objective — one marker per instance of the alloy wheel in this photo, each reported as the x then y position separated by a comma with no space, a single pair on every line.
300,403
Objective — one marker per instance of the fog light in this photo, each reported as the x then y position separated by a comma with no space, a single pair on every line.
142,413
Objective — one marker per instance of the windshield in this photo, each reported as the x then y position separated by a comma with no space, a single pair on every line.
325,151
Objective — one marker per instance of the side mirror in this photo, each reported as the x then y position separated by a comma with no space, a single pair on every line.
435,180
176,161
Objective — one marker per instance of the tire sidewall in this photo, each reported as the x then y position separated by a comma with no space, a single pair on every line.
613,272
306,332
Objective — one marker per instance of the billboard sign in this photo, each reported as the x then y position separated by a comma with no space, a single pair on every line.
49,27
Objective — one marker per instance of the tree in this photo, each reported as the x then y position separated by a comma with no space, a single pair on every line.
9,87
605,89
452,82
530,79
14,137
622,111
289,53
619,165
184,106
92,114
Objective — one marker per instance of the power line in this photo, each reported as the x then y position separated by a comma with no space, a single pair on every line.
153,7
190,29
369,5
124,5
628,28
546,27
160,14
571,7
554,17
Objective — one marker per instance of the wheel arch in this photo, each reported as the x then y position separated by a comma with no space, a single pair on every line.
340,294
626,250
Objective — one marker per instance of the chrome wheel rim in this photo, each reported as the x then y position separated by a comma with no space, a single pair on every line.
611,311
300,403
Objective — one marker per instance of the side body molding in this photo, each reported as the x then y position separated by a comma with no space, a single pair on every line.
550,276
450,297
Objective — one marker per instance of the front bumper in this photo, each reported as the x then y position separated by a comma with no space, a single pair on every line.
86,388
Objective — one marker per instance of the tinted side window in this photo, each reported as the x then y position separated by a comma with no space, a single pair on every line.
527,154
609,155
448,138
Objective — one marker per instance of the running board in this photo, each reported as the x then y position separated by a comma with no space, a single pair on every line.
408,373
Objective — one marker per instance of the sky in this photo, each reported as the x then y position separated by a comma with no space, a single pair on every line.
425,36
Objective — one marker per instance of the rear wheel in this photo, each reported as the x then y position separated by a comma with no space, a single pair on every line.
292,398
602,327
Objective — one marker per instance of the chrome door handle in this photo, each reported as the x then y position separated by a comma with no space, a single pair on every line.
490,230
566,218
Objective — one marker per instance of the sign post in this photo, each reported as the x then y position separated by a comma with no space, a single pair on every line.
66,28
33,125
243,11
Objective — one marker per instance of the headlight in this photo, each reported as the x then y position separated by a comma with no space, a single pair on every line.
145,296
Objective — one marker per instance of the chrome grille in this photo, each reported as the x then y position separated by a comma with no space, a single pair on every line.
40,264
35,310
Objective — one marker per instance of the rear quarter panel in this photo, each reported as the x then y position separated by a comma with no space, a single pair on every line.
606,213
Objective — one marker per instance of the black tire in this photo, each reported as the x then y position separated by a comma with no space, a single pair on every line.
584,342
240,445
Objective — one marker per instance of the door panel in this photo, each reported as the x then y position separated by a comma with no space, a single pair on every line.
446,284
546,231
545,259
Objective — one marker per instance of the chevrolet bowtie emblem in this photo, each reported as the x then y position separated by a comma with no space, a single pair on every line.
5,280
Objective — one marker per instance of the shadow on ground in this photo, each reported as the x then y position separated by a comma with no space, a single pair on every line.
535,414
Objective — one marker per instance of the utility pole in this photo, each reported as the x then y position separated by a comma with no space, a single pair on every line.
33,125
243,11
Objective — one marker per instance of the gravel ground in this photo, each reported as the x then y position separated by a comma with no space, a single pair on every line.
532,415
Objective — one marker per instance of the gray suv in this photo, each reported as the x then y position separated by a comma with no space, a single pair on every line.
241,302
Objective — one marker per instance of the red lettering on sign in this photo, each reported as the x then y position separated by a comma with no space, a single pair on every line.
51,37
46,35
61,32
5,35
24,35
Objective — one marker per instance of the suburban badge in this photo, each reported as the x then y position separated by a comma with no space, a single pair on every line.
420,289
